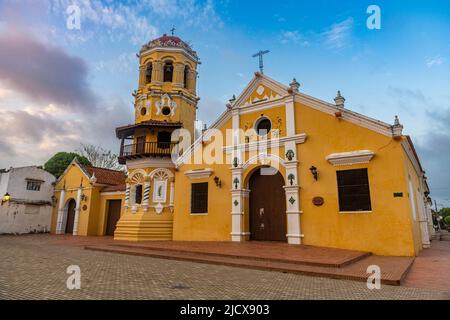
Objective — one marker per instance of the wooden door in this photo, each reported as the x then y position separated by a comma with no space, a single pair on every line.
70,216
114,207
267,207
140,145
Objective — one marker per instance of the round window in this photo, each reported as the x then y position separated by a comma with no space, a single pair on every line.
143,111
263,126
166,111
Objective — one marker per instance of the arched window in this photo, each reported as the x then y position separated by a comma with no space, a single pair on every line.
186,73
263,126
148,73
168,71
138,194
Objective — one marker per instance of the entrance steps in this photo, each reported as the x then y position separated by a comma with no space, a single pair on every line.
305,260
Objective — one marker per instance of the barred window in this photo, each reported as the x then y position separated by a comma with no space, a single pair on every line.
354,192
199,198
34,185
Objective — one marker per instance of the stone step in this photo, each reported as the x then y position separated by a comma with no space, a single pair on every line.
393,269
354,257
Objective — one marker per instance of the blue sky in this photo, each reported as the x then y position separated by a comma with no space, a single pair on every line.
402,69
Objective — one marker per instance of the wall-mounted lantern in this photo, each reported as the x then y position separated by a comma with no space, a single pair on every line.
218,182
6,198
314,172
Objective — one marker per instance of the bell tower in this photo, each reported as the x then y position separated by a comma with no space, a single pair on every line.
167,83
165,100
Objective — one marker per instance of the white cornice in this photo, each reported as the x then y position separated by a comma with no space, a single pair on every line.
223,118
349,158
270,143
410,154
170,50
199,173
351,116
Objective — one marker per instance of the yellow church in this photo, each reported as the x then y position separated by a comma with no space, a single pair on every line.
277,165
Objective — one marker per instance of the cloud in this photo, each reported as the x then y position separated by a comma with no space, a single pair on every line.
433,150
293,37
44,73
436,61
339,34
134,21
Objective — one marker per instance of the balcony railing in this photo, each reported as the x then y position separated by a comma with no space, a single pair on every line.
153,149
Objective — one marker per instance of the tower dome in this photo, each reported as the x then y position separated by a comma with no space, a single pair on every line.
166,41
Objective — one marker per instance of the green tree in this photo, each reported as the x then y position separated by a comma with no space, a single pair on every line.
447,220
59,162
444,212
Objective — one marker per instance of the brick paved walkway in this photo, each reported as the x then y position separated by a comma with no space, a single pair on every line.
34,267
431,269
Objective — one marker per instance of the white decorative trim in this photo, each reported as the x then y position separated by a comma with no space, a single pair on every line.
351,116
150,162
157,186
269,143
199,173
112,193
349,158
260,79
410,154
170,50
162,173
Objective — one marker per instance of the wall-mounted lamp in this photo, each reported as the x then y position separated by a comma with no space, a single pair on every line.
6,198
54,200
218,182
314,172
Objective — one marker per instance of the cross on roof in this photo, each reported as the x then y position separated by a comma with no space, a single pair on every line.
261,62
173,30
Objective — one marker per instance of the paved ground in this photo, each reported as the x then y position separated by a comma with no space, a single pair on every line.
432,268
34,267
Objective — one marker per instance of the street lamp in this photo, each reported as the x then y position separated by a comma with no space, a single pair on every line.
6,198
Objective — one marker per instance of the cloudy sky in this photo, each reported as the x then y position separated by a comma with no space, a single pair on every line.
61,86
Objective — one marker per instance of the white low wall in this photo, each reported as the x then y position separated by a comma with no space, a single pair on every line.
24,218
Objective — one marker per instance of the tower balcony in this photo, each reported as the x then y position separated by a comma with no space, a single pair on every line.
140,146
146,149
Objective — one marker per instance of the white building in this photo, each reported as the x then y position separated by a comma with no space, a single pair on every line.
26,200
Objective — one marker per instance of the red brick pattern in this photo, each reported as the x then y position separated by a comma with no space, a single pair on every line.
431,269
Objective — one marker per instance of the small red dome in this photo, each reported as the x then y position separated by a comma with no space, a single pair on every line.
169,42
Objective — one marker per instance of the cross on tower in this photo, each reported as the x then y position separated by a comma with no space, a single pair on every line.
261,62
173,30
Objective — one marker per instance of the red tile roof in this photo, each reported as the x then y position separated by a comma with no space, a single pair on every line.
106,176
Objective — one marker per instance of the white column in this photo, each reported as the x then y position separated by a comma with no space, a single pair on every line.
146,195
423,220
172,196
59,220
237,205
294,234
127,196
290,117
237,208
77,212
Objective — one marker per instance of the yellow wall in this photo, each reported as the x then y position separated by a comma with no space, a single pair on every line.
92,220
145,225
386,230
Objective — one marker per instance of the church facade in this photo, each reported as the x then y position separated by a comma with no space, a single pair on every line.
277,165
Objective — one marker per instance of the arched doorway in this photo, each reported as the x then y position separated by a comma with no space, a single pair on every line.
70,220
267,207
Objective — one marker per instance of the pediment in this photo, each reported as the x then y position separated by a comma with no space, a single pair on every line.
260,89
